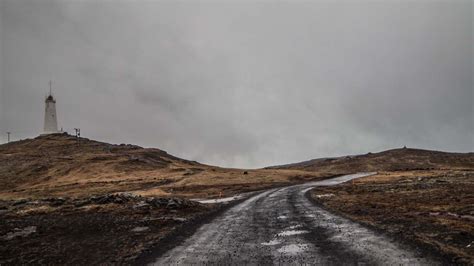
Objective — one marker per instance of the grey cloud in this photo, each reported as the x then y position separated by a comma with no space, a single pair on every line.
242,83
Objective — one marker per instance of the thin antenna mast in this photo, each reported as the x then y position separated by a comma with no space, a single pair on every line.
78,132
50,87
8,133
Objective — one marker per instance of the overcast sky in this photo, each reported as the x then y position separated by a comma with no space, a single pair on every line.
243,83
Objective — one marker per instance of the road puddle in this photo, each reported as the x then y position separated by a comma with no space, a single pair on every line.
292,232
295,226
273,242
293,249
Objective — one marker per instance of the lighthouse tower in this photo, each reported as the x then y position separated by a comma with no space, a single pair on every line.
50,119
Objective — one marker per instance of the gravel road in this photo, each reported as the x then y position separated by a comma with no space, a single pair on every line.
281,226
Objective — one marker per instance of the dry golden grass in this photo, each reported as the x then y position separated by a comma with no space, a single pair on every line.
62,165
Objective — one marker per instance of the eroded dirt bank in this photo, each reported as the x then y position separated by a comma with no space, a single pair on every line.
433,209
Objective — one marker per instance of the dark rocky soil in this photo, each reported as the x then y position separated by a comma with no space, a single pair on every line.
114,228
433,209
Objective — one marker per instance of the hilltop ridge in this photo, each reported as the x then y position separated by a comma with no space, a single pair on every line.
61,164
62,158
389,160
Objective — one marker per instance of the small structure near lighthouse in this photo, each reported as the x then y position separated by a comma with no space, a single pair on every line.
50,119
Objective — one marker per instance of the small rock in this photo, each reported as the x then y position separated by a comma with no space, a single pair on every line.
172,204
56,201
20,232
140,229
20,202
141,205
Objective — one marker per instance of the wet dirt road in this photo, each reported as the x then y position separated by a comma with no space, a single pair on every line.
281,226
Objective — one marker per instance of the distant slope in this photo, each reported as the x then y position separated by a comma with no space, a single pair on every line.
391,160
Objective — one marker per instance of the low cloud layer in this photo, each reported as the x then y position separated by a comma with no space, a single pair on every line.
241,83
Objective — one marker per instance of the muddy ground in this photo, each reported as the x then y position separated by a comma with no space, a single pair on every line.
433,209
110,229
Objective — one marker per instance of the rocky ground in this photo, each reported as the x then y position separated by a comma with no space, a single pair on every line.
433,209
110,229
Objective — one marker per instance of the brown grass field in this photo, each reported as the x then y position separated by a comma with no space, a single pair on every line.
62,165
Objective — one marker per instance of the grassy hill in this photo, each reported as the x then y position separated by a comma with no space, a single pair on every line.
63,165
390,160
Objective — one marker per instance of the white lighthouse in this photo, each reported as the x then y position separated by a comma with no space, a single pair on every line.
50,119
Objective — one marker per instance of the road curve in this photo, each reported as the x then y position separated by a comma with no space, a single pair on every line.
281,226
